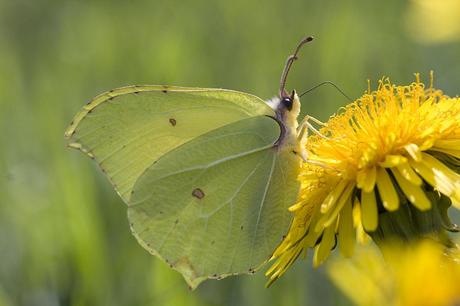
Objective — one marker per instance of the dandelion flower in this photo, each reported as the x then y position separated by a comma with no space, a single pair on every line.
391,164
423,274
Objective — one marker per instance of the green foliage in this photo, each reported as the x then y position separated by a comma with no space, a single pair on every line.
64,237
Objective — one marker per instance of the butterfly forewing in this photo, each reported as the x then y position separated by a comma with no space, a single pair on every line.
127,129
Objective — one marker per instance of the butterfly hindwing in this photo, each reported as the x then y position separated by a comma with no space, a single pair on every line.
217,205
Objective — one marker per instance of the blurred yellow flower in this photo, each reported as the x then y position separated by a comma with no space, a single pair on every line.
398,146
431,21
417,275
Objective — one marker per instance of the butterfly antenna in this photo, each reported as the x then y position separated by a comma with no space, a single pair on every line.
327,83
288,65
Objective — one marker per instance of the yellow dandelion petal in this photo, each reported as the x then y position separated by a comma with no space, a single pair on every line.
323,249
390,199
449,144
345,197
361,236
332,198
455,153
393,161
282,249
273,268
414,151
366,179
412,191
313,234
409,174
296,206
346,235
369,213
280,267
432,171
439,168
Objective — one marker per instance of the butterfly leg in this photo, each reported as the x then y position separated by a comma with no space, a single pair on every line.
310,118
302,133
302,137
305,124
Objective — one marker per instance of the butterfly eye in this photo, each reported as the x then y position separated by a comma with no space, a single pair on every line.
287,102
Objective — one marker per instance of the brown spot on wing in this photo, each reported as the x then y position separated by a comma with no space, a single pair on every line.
198,193
172,121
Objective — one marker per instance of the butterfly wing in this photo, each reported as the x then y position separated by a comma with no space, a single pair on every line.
125,130
217,205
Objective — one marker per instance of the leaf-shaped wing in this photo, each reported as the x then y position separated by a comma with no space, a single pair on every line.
217,205
125,130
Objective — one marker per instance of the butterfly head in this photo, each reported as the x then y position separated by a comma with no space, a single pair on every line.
286,106
290,103
289,107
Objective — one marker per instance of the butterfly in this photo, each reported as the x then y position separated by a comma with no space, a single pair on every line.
207,174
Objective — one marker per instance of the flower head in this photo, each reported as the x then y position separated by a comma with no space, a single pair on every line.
388,158
424,274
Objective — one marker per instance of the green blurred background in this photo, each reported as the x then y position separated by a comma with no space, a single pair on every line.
64,236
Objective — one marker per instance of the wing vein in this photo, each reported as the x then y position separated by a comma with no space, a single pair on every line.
203,167
237,190
262,202
239,237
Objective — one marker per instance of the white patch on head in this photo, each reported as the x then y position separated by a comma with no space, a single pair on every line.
273,102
